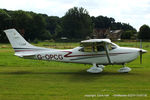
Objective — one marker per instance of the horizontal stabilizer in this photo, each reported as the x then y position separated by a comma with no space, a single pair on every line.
25,55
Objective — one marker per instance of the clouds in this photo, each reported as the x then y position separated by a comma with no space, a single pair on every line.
135,12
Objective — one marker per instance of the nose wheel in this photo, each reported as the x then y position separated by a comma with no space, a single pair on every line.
96,69
124,69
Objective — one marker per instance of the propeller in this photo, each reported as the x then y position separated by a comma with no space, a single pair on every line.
140,51
140,56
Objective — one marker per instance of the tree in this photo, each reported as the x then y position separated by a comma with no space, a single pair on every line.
76,23
122,26
144,32
58,32
127,27
102,22
21,19
39,28
129,34
23,22
52,23
30,25
4,24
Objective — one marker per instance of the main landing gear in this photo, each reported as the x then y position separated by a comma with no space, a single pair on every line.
99,68
124,69
96,68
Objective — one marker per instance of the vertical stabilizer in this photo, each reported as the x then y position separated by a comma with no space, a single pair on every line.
16,40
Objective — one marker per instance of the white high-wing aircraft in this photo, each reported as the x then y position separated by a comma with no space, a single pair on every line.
98,52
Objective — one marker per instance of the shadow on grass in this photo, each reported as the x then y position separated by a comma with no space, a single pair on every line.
87,77
82,72
77,76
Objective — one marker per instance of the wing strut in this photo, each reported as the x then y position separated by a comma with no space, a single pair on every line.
107,53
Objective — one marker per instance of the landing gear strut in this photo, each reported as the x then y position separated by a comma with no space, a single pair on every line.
96,68
124,69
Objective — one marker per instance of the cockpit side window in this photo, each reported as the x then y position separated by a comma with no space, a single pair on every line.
96,47
100,46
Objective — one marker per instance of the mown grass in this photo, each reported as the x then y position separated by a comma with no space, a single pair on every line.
23,79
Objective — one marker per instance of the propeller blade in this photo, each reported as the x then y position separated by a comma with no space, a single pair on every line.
141,51
140,56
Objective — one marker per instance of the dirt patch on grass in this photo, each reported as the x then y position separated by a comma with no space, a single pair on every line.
6,50
5,46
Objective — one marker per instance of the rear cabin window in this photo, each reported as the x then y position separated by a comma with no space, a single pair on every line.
87,47
100,46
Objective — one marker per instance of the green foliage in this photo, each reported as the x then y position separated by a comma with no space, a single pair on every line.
45,35
76,23
58,31
144,32
36,41
123,26
102,22
4,19
130,34
127,27
4,23
21,19
52,23
30,25
38,27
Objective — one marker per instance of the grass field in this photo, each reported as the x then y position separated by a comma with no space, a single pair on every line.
23,79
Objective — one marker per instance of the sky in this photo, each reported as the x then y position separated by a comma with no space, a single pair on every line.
133,12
